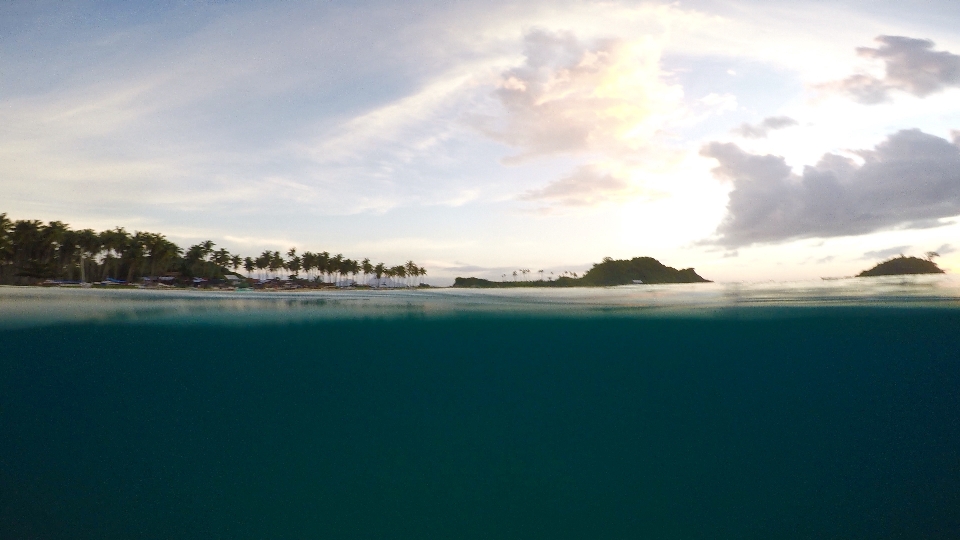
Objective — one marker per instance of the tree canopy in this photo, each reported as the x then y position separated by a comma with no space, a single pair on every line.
32,251
645,269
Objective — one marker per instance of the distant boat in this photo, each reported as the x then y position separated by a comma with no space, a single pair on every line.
638,282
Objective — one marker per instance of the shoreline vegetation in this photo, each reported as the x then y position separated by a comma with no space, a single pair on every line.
53,254
609,272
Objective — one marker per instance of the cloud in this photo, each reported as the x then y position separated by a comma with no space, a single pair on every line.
468,268
605,98
910,180
944,249
912,66
570,97
759,131
885,253
587,186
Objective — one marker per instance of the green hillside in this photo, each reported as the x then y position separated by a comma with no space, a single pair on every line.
902,265
646,269
609,272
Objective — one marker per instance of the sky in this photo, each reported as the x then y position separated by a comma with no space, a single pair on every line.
751,140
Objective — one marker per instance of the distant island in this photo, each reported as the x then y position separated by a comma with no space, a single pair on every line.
904,265
645,270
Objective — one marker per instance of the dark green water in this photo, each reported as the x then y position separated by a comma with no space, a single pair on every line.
829,423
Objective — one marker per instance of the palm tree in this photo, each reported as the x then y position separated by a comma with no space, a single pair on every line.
294,263
113,242
221,258
323,265
411,270
135,254
350,267
28,249
275,264
336,265
159,251
263,262
55,252
400,271
6,242
355,268
367,269
249,265
379,270
26,246
308,260
541,274
201,261
6,245
207,247
88,244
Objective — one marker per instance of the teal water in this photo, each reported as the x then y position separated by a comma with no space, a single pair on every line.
813,411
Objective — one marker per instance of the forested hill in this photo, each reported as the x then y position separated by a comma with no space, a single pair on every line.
606,273
646,269
902,265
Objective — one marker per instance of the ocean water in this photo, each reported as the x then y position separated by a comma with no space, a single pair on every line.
799,410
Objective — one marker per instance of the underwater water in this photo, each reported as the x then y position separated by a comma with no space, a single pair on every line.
807,410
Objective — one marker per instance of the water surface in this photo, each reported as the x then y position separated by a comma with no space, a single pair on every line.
803,410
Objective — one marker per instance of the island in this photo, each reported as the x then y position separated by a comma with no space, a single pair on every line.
609,272
903,265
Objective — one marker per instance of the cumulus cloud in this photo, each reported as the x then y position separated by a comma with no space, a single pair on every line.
910,180
587,186
912,66
759,131
569,96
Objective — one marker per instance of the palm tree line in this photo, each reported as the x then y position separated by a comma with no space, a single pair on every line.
323,267
31,250
523,272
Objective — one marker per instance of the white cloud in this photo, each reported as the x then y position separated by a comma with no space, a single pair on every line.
571,96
